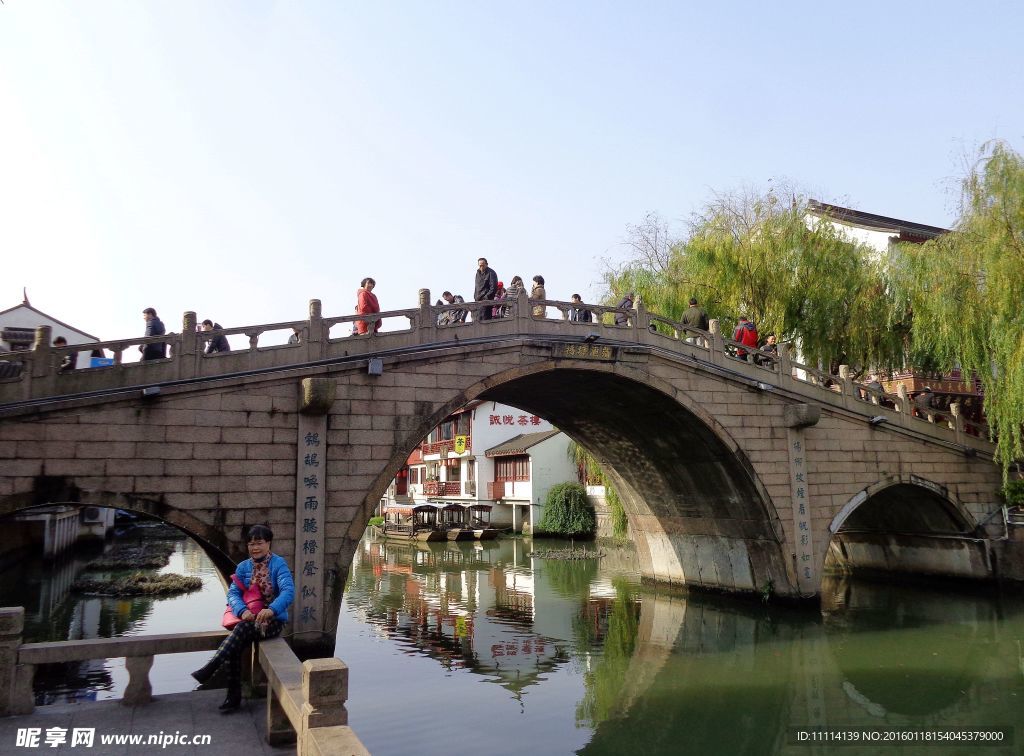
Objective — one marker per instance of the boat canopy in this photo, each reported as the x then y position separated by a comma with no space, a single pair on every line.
481,507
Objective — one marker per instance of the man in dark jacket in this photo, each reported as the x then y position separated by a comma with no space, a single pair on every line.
694,317
580,314
218,343
622,318
154,327
486,287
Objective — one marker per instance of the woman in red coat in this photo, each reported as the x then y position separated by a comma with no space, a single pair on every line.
366,304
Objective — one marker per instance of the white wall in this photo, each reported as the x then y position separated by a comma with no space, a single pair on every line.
24,317
549,466
880,241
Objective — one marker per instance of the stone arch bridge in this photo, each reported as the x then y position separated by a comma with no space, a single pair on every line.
736,474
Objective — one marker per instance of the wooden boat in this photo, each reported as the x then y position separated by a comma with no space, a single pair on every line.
392,531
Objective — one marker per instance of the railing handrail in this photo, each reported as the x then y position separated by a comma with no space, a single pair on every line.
39,375
53,652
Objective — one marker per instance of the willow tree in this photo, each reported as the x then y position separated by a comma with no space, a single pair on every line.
966,290
758,255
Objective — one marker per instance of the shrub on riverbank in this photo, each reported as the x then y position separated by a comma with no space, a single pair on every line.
567,513
139,584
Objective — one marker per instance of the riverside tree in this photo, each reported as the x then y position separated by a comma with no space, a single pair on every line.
567,512
755,254
966,290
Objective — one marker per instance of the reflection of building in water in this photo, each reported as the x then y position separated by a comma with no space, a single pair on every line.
456,603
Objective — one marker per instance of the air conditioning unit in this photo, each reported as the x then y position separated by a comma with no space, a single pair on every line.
91,515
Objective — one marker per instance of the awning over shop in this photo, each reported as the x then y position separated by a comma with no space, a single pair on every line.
519,444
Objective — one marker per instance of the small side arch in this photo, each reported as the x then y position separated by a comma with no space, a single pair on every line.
212,540
905,500
907,525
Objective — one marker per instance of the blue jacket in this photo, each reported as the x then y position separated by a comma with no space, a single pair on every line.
280,578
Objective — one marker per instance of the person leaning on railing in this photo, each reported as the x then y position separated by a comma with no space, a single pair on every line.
271,575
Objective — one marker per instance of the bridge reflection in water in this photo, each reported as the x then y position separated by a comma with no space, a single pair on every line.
581,658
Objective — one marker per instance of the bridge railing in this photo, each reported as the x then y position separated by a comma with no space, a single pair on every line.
37,373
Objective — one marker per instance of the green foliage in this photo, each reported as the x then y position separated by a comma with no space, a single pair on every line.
756,255
966,291
376,521
609,674
571,578
620,524
591,473
567,512
1013,493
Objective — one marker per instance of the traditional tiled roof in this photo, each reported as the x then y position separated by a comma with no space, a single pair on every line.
519,444
906,230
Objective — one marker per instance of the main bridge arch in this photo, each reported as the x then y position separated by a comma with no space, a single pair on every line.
698,510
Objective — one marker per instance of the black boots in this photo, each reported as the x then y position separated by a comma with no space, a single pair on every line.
233,700
203,674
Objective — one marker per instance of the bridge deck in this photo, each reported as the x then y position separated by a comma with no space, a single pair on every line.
189,714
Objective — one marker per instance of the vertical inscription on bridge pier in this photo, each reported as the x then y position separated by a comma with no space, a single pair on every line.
798,417
311,504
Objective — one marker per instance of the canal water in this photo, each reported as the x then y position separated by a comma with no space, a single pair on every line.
53,612
483,648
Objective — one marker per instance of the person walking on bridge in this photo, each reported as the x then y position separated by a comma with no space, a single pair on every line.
366,304
154,327
485,287
622,318
694,317
218,343
746,334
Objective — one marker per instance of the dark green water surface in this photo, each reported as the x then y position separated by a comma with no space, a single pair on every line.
479,648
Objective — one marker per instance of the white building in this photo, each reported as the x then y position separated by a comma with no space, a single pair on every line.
490,454
18,331
878,232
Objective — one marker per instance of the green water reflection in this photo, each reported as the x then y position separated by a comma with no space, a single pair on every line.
583,659
54,613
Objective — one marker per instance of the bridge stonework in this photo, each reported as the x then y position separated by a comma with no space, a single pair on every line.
699,446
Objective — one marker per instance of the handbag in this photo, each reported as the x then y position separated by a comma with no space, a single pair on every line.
253,601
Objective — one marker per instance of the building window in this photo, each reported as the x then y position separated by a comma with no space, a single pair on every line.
414,475
454,471
512,468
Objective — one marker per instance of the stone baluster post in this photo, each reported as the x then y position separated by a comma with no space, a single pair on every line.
524,319
717,345
315,331
41,368
324,692
427,327
642,320
139,690
187,352
847,385
785,361
903,401
15,679
957,422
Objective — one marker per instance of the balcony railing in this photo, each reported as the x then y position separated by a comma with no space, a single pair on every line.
442,488
436,447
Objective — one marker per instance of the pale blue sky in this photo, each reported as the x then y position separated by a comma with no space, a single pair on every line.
240,158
